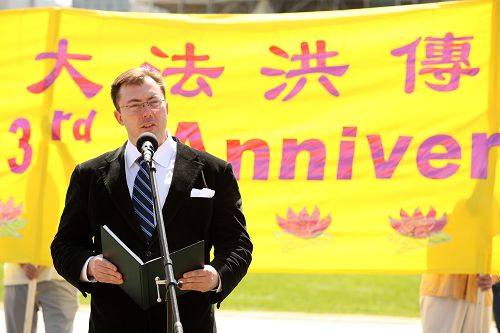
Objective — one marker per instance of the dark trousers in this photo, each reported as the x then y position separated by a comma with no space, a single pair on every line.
496,304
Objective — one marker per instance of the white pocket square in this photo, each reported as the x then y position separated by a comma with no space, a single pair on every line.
203,193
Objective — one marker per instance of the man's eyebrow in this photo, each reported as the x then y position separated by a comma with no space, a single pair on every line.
133,100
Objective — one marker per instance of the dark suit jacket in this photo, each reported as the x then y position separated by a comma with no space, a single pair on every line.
98,195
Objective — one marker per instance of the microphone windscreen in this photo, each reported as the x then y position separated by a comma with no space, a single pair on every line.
147,137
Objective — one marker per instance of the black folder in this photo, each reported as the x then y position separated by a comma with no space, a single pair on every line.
139,277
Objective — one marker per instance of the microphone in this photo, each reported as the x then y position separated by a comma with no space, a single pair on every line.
147,145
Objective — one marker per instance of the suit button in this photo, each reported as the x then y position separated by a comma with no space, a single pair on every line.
148,254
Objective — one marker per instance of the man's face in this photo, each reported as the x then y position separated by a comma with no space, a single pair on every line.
139,117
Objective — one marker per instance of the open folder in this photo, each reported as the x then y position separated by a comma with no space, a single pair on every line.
138,276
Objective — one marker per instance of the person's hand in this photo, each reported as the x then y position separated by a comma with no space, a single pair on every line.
103,270
203,280
31,271
484,282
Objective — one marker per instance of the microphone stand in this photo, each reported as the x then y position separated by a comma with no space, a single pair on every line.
173,318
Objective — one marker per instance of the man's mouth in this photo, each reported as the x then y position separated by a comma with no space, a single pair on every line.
148,125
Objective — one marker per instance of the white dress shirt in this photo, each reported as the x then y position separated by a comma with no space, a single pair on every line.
163,160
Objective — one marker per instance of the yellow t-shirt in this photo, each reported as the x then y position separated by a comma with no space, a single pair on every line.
13,274
457,286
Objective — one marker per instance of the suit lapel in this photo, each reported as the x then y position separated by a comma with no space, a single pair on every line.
187,168
116,185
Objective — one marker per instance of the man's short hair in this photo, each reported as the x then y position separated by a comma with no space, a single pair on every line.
134,76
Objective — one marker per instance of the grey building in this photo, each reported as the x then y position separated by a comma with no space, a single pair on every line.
210,6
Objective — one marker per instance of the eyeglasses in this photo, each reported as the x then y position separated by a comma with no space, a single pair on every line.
153,104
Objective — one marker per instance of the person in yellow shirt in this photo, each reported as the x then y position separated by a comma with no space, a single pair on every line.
448,302
57,298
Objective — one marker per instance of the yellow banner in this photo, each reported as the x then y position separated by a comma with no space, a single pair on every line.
362,140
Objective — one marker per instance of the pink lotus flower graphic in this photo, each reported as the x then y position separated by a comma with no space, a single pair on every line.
304,225
418,225
10,220
418,230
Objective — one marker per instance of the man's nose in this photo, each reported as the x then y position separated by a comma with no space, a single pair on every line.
146,110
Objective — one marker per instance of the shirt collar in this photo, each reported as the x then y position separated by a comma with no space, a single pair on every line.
162,156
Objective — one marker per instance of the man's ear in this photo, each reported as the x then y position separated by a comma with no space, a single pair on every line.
118,117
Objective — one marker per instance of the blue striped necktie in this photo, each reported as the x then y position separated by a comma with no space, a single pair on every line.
143,200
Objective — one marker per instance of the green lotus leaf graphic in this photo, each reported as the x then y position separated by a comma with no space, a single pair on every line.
10,221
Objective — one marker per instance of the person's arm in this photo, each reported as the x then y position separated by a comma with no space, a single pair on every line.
31,271
206,279
484,282
99,269
73,245
232,245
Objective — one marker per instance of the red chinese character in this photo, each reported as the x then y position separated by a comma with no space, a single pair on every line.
89,88
305,59
445,57
188,71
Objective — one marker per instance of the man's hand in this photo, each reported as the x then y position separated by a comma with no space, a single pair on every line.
203,280
31,271
484,282
103,270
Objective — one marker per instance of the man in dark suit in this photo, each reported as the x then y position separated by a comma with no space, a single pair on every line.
200,199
